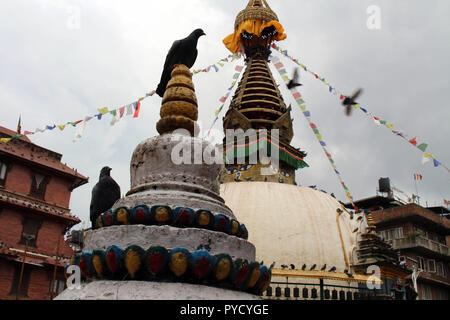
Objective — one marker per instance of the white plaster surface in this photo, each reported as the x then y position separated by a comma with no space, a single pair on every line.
292,225
170,238
140,290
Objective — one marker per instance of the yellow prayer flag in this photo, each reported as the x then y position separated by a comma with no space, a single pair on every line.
285,78
5,140
62,127
428,155
103,111
390,126
356,106
303,108
319,137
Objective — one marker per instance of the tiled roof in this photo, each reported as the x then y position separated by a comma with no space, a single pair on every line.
23,148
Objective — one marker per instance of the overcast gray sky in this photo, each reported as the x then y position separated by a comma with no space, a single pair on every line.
61,60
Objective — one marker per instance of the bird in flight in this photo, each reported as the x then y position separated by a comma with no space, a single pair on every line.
349,102
294,82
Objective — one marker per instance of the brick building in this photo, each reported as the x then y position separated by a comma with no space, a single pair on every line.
35,189
420,236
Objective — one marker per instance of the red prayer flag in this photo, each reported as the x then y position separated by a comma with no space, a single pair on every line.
297,95
413,141
138,109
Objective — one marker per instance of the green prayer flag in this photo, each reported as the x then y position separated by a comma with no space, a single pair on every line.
423,147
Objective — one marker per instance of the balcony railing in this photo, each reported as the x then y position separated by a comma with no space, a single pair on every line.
419,241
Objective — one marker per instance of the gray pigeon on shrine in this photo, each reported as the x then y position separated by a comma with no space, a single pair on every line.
104,194
183,51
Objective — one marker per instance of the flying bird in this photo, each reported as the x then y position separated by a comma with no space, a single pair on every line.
313,267
324,268
183,51
349,102
104,194
294,82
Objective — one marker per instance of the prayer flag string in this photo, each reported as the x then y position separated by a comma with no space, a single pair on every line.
301,103
377,120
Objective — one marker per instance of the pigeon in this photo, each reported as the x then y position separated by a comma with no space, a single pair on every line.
292,267
272,265
333,269
183,51
313,267
348,273
349,102
324,268
294,82
304,267
104,194
283,266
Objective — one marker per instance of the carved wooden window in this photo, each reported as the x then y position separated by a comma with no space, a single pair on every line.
23,292
3,171
39,185
30,231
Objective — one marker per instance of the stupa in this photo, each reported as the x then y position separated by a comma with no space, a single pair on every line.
172,236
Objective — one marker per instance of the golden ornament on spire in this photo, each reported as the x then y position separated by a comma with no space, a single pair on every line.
179,105
255,20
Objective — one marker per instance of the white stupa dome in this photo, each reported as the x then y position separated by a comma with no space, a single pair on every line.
293,225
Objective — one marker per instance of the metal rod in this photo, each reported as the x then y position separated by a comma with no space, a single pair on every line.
54,270
21,270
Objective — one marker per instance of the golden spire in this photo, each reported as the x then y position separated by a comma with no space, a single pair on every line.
255,10
179,105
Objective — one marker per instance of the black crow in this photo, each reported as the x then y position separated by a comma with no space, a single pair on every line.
183,51
105,193
313,267
324,268
304,267
294,82
349,102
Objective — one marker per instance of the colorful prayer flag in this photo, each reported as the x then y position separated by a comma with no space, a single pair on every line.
19,125
418,177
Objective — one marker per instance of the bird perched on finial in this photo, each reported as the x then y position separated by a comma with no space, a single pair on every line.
294,82
349,102
104,194
183,51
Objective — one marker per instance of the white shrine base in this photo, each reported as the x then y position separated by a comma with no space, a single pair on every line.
143,290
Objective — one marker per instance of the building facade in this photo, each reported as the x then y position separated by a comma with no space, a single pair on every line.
419,235
35,189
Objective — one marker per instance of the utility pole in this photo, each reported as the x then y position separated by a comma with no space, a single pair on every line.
19,287
56,266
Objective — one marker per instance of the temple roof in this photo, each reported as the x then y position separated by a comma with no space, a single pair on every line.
26,150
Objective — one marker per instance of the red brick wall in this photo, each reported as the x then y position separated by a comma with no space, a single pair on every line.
47,238
19,179
6,277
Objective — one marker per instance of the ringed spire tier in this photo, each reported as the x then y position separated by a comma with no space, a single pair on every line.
257,103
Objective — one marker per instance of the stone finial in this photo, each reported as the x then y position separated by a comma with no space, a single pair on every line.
179,105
